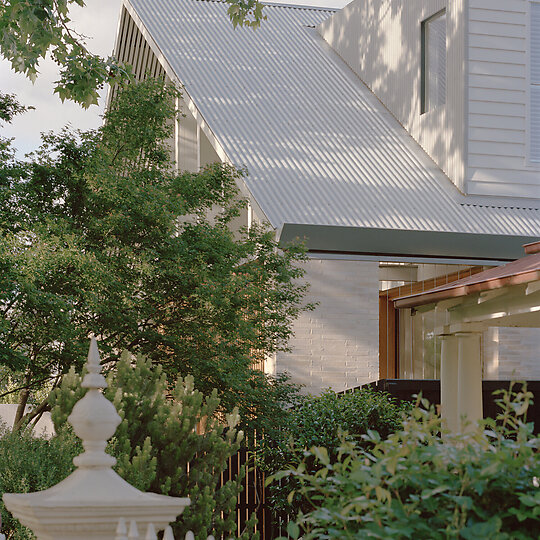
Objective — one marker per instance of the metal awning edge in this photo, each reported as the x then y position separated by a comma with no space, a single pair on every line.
433,244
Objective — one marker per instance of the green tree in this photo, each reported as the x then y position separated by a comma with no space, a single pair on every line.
32,463
171,440
91,242
29,29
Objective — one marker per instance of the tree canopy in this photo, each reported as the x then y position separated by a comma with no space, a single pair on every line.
100,235
29,29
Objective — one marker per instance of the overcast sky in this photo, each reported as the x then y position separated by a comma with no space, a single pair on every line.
99,21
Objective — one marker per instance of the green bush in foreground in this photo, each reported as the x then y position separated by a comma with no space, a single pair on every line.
29,463
172,440
324,420
478,485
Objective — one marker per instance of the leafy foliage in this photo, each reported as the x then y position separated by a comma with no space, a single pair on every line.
29,29
322,421
10,107
246,13
29,463
415,484
171,440
101,235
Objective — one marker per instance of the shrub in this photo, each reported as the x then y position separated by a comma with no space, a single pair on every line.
415,484
171,440
29,463
324,420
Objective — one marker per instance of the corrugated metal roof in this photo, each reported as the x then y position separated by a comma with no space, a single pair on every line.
319,147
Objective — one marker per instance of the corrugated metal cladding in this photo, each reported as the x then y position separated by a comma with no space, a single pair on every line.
319,147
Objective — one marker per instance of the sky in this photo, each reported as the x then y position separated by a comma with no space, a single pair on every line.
98,21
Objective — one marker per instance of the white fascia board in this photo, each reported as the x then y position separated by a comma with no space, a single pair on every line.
174,77
193,109
115,49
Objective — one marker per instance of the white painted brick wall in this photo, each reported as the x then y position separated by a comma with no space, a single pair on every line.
336,345
512,353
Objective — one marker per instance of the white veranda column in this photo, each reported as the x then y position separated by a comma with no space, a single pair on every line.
449,382
469,377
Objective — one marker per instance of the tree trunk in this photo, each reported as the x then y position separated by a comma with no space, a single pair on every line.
23,400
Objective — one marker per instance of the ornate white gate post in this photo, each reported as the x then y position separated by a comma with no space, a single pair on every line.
88,504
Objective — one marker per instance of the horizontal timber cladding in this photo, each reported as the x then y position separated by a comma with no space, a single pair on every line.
498,75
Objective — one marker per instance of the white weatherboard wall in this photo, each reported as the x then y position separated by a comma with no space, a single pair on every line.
381,41
336,345
498,105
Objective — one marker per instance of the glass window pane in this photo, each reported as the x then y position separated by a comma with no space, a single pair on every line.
434,62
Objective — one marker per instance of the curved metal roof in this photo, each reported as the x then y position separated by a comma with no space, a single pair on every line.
319,147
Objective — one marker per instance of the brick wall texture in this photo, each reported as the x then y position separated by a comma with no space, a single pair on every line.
336,345
512,353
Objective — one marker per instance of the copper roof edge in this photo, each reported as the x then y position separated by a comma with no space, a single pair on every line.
521,271
532,247
421,299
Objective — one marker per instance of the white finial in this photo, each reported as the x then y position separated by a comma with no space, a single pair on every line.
121,530
151,532
94,418
168,534
190,536
93,497
133,531
93,378
210,538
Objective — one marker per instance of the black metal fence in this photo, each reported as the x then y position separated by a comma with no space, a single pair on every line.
405,389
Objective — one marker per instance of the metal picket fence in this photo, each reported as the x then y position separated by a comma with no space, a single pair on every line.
123,532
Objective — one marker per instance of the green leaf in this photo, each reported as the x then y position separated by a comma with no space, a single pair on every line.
322,454
293,530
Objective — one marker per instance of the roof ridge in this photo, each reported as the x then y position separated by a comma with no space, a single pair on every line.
286,6
500,206
302,6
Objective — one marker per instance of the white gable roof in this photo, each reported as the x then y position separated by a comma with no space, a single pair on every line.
319,147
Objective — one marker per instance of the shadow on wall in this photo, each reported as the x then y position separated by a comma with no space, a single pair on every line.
381,41
336,345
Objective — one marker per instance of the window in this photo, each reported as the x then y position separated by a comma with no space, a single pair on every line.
534,128
433,73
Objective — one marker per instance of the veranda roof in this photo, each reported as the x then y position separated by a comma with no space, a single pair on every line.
519,272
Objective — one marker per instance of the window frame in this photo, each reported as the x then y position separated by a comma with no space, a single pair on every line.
531,161
424,58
